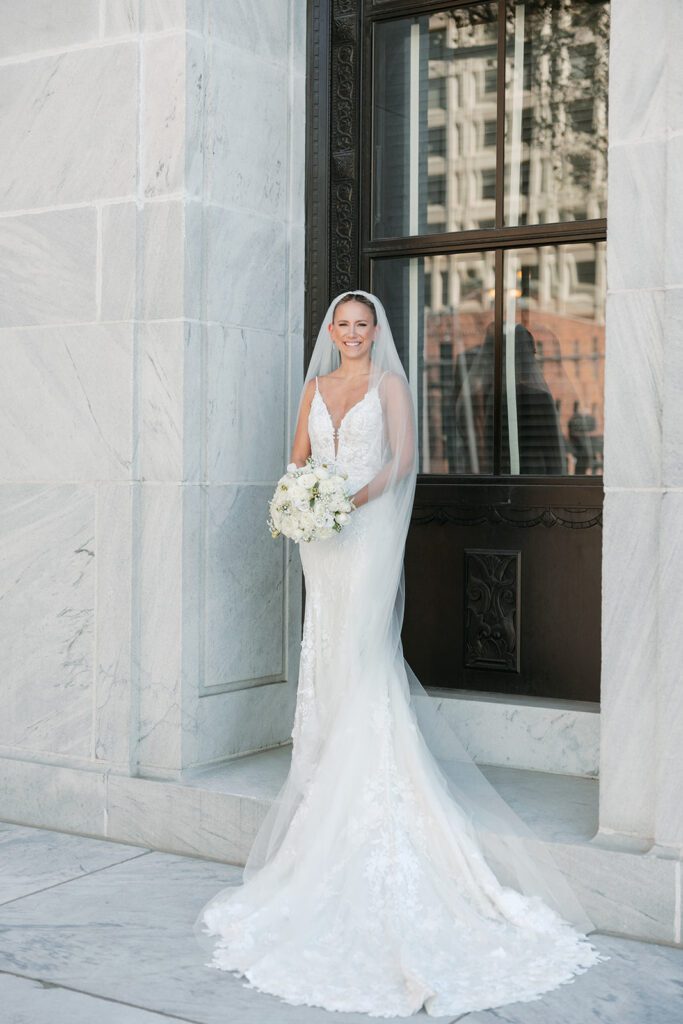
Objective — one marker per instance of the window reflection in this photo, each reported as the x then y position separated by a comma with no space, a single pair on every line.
434,90
435,107
554,303
552,351
556,111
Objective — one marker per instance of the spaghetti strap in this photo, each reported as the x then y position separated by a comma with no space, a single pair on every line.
380,379
316,384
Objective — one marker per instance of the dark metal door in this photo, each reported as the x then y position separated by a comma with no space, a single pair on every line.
417,103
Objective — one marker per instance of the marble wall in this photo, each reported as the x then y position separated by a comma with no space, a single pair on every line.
151,267
641,769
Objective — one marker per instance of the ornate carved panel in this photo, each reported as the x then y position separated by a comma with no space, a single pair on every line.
492,602
344,145
511,515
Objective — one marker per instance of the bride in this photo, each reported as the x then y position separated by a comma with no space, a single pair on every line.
388,875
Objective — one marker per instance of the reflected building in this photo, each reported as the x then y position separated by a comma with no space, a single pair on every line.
555,171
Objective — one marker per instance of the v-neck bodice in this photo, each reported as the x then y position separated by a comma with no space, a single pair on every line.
359,437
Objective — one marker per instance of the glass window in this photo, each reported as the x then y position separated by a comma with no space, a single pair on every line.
537,313
437,189
553,339
553,344
441,313
556,105
457,48
490,133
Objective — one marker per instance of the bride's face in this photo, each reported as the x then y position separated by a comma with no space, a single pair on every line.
353,330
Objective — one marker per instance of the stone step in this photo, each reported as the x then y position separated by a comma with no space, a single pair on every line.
538,733
215,813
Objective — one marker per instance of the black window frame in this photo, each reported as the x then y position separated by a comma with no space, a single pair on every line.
339,251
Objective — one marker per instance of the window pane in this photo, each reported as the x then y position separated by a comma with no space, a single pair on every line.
441,313
556,111
554,349
434,115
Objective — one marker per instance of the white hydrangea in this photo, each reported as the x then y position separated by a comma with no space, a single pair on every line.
311,502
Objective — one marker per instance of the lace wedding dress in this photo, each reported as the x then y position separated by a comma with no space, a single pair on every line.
369,890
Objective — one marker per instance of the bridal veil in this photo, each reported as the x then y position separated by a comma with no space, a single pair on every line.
372,647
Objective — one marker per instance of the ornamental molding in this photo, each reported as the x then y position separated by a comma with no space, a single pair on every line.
524,516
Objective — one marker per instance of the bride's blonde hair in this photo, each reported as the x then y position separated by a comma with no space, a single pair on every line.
356,297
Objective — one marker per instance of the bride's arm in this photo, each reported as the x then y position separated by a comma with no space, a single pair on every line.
400,434
301,445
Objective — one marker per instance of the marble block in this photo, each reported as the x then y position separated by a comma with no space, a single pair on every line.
30,1001
552,736
164,15
76,381
264,37
248,164
237,722
34,859
121,17
196,71
297,266
672,425
637,88
163,260
244,612
160,579
47,25
125,935
69,126
637,212
245,405
298,15
296,380
164,114
48,587
624,893
113,625
674,67
297,150
53,796
119,238
245,267
671,228
633,388
669,811
162,357
629,661
638,984
48,267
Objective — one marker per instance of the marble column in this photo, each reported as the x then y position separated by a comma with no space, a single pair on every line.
641,769
151,267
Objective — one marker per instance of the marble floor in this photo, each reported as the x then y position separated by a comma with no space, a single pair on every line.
95,930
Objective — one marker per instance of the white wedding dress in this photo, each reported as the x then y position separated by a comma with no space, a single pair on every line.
372,893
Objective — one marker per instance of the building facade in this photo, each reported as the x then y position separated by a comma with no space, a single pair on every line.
186,185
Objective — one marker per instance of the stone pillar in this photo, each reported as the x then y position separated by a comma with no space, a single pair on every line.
151,258
641,771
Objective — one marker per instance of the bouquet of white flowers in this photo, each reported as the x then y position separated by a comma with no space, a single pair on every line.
311,502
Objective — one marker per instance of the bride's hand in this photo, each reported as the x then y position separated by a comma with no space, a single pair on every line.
360,497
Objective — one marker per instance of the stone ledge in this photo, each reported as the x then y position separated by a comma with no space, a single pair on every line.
215,813
542,735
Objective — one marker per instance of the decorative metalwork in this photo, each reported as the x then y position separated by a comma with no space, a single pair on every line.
492,603
512,515
344,145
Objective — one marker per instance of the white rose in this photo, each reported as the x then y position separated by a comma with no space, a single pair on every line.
342,518
292,467
321,472
307,479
